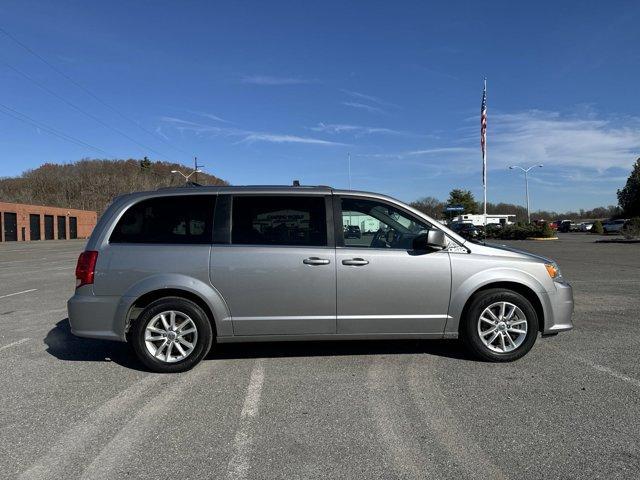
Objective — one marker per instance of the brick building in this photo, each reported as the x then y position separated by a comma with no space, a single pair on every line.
20,222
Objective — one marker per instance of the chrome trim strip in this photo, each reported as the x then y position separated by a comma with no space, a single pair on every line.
365,317
341,317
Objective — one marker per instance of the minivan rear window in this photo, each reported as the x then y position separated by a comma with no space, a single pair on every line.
279,220
171,219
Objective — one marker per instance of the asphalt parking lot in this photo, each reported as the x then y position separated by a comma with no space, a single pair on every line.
77,408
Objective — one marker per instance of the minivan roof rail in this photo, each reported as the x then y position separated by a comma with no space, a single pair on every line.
193,185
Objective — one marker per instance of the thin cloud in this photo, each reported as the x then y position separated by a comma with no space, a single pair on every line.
245,136
549,138
276,138
438,151
267,80
363,106
161,133
370,98
578,148
359,130
210,116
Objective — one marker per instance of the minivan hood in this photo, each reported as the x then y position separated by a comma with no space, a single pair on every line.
506,251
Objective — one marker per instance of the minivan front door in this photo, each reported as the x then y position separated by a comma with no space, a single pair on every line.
277,270
383,285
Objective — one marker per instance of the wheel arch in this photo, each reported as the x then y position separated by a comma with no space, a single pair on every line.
148,298
524,290
202,294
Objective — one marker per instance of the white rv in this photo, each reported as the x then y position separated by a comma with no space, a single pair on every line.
478,220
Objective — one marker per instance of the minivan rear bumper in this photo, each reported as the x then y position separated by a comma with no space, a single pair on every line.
558,309
93,316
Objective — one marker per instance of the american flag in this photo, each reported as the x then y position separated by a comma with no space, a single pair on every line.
483,133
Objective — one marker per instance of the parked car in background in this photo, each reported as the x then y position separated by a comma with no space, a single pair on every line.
467,230
541,222
614,226
352,231
585,226
565,226
175,272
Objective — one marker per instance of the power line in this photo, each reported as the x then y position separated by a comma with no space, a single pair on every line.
79,109
57,133
89,92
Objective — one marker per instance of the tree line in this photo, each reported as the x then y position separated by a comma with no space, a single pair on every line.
436,209
628,205
92,184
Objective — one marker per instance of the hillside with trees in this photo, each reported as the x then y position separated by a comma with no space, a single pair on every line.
92,184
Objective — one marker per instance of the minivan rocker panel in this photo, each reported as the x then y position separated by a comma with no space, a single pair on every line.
179,269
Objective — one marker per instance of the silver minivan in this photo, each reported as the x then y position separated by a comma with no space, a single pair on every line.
175,270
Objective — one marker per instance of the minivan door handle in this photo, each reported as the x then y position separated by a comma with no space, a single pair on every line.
356,262
315,261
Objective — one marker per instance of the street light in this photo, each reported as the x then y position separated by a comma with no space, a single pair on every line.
526,183
186,177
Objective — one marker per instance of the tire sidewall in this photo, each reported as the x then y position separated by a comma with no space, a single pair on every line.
483,300
200,319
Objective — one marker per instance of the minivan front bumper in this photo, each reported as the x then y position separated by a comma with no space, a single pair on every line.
558,307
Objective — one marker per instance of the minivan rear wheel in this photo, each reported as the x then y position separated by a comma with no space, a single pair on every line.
500,325
171,335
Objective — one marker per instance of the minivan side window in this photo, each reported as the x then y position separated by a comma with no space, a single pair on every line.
279,220
171,219
373,224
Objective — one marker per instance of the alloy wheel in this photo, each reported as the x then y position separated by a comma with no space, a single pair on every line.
502,327
170,336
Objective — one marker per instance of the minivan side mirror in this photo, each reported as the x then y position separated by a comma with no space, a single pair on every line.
432,240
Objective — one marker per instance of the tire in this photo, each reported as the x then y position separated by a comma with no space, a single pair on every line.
151,345
516,343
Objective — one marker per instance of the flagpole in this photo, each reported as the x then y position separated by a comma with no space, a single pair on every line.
485,166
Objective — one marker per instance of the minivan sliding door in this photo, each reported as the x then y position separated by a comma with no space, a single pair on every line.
277,270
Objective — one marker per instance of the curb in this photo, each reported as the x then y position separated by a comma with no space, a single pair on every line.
541,239
618,240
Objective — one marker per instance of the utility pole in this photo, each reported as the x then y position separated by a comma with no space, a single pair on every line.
196,168
526,184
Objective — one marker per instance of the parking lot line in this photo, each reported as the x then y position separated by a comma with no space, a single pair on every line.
239,464
73,445
15,344
608,371
18,293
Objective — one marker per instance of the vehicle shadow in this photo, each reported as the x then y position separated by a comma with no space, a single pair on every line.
442,348
64,345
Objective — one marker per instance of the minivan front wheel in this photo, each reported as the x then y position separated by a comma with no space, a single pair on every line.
171,335
500,325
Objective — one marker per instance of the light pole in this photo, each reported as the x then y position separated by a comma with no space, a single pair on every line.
526,183
186,177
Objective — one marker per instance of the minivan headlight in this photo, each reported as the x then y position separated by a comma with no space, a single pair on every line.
553,270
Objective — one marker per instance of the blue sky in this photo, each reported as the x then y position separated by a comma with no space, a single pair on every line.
267,92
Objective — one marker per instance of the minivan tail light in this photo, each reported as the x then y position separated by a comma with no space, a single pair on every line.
86,267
